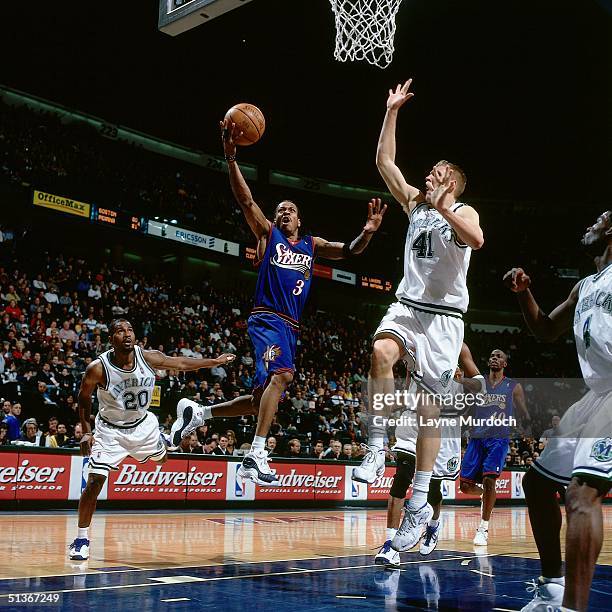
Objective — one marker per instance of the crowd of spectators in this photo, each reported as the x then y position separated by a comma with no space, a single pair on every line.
54,317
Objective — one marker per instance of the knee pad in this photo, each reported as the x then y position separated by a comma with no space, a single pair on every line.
404,473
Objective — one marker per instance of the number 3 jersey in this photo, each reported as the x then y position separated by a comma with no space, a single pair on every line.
125,398
593,330
435,264
285,274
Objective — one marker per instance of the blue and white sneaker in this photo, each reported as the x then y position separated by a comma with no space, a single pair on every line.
79,550
189,416
547,596
412,527
430,539
388,557
255,467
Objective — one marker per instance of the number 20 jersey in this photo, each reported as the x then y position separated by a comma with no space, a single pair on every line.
127,394
593,330
435,264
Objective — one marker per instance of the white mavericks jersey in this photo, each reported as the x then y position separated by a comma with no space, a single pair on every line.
593,330
125,398
435,264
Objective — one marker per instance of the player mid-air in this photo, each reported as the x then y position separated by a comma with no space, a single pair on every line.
467,380
425,326
124,378
486,451
580,455
285,260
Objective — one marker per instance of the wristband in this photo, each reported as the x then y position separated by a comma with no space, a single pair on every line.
230,158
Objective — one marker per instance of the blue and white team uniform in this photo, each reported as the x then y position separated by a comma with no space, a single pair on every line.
489,444
283,285
583,446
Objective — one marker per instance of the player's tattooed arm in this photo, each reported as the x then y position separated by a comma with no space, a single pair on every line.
342,250
407,195
260,226
160,361
544,326
92,379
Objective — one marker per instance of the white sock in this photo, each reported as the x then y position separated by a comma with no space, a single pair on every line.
376,434
484,524
560,580
391,533
259,443
83,533
434,522
207,412
420,488
376,442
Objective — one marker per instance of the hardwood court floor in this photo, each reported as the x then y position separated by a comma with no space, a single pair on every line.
252,560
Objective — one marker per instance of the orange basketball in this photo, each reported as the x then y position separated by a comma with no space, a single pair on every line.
249,120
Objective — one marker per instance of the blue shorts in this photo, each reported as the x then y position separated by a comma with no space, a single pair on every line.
274,341
484,457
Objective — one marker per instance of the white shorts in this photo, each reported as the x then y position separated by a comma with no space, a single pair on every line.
433,342
448,461
113,444
584,443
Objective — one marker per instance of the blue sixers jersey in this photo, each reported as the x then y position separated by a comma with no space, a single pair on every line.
285,274
497,405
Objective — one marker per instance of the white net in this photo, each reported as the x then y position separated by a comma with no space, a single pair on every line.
365,30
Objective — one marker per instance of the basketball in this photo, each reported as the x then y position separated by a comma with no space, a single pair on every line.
248,119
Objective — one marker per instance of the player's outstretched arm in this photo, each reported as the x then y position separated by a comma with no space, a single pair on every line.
407,195
342,250
94,376
260,226
159,361
545,327
518,399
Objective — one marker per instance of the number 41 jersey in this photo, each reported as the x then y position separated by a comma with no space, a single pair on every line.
435,264
127,394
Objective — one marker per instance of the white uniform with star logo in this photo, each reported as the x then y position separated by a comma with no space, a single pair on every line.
583,445
427,319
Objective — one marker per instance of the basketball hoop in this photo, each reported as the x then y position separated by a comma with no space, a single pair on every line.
365,30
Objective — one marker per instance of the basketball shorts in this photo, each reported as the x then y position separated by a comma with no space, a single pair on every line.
432,343
113,444
583,446
448,461
484,457
274,341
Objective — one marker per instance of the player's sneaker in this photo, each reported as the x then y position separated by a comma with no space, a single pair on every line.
547,595
482,537
189,416
79,550
411,529
431,586
387,556
255,467
430,539
372,466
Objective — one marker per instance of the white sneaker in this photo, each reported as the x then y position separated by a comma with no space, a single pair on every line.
430,539
482,537
388,557
79,550
255,467
189,416
411,529
547,595
372,466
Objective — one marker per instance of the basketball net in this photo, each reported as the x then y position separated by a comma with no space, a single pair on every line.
365,30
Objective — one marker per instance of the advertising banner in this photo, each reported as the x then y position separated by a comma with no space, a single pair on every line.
8,471
66,205
172,232
42,476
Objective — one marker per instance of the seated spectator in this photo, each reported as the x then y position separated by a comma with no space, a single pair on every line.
52,424
231,441
347,452
243,450
222,448
13,422
4,439
271,446
294,449
31,435
334,451
75,440
59,439
317,450
553,431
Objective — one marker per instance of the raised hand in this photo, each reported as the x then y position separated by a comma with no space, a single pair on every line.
375,215
516,280
400,96
229,134
225,358
442,188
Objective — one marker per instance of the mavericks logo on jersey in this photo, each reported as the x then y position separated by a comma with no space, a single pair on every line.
445,378
602,450
286,258
452,464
